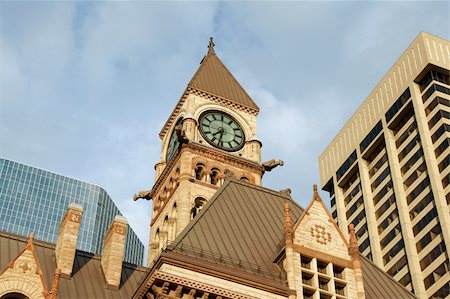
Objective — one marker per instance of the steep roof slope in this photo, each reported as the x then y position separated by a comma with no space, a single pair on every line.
378,284
87,278
213,77
242,225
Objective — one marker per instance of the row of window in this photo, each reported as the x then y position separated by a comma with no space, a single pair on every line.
398,104
442,147
432,255
346,165
432,89
428,237
393,252
437,274
371,136
433,75
421,205
436,102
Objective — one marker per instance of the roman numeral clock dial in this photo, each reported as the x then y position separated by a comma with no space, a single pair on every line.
221,130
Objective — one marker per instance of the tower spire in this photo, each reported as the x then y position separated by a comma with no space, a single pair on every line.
211,45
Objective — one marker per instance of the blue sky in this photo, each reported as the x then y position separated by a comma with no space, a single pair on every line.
85,87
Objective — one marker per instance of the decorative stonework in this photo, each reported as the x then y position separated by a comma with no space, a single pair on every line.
320,232
172,286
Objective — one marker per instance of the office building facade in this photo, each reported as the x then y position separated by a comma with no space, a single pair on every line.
35,200
387,171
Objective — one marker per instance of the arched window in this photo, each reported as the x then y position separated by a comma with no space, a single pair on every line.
14,296
199,171
198,205
214,176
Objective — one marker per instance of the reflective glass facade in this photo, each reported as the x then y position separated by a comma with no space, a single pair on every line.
35,200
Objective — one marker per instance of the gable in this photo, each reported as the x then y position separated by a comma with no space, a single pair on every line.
316,230
23,275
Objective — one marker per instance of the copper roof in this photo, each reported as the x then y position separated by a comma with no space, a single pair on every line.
378,284
87,278
214,78
241,225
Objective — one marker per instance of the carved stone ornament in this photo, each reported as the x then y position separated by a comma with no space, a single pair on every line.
271,164
143,194
320,234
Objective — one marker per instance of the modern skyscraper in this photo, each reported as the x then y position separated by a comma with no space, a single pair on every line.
387,171
35,200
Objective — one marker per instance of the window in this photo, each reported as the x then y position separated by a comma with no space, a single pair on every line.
378,165
424,221
386,222
435,102
416,192
382,192
354,207
442,147
371,136
443,165
421,205
387,204
433,75
442,129
437,274
380,178
412,161
407,149
398,266
399,103
434,254
413,177
199,202
411,129
393,252
432,89
390,236
213,176
346,165
440,114
199,171
306,262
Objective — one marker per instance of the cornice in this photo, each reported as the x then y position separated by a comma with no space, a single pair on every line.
222,271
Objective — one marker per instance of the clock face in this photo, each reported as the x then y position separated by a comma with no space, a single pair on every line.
174,142
221,130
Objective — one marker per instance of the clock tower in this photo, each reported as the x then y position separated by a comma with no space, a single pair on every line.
210,134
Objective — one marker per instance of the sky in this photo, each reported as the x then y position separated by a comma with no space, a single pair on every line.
85,87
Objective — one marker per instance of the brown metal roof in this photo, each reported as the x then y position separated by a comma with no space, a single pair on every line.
87,278
213,77
378,284
241,226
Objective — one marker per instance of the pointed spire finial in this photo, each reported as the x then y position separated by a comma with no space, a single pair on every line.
288,234
211,45
354,250
31,237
